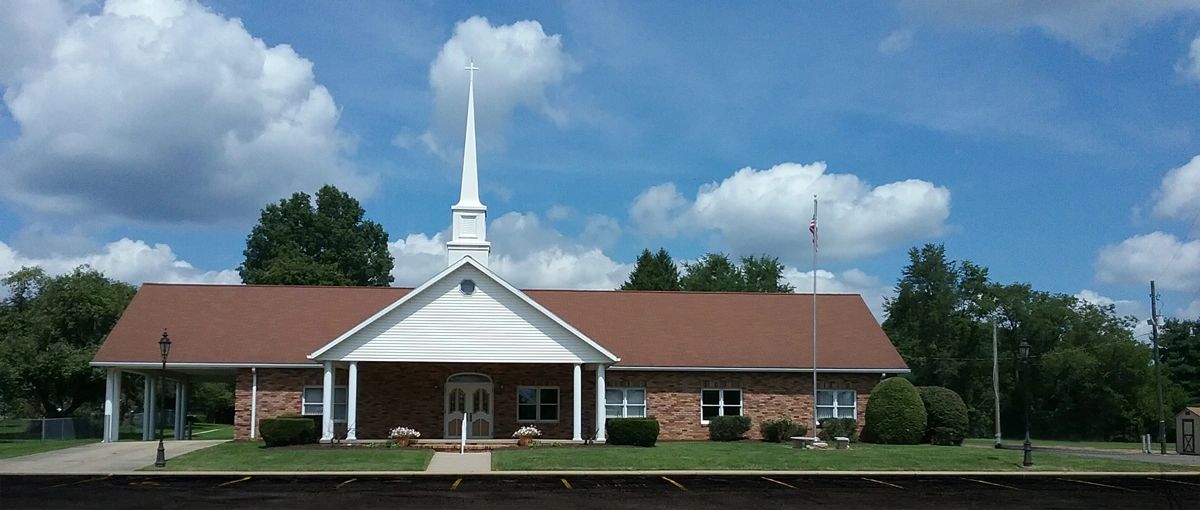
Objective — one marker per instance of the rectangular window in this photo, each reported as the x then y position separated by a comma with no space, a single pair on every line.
314,396
836,404
537,403
625,402
722,402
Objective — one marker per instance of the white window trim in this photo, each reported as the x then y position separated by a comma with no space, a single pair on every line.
304,391
721,402
624,403
838,405
538,405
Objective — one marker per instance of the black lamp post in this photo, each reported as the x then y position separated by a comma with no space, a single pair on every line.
1027,448
164,348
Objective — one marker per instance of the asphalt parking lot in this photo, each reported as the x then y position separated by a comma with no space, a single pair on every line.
599,491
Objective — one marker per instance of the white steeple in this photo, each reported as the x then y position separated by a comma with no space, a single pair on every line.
469,227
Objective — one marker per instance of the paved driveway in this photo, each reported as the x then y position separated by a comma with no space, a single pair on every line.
99,457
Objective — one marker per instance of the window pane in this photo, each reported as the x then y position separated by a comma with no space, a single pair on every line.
708,412
339,412
733,397
312,409
313,395
339,395
824,412
845,412
635,396
527,396
846,398
612,411
733,410
549,395
710,397
614,396
636,411
526,412
825,397
549,412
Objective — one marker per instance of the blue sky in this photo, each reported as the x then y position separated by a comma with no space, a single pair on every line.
1051,142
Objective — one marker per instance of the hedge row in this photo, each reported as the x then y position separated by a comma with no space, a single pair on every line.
632,431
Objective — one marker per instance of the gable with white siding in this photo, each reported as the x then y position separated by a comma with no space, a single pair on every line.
440,323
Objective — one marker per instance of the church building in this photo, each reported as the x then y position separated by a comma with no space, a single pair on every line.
466,351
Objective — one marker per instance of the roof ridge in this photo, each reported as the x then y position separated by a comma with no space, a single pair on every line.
706,292
268,285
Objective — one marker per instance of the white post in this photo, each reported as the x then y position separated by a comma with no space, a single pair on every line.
253,401
327,404
148,409
601,403
577,403
352,403
116,415
179,419
462,437
109,396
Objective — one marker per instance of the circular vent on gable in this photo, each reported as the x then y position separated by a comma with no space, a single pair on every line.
467,287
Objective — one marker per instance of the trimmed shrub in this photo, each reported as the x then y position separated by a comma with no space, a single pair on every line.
287,431
728,428
632,431
779,430
838,427
945,436
943,408
895,413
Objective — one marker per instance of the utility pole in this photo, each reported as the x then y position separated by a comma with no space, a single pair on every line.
996,378
1162,421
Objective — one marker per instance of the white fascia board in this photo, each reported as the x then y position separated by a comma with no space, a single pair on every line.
752,369
438,277
188,364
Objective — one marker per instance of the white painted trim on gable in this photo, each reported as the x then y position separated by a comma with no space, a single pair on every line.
188,364
751,369
438,277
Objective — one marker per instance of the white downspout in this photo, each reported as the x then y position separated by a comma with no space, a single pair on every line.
253,401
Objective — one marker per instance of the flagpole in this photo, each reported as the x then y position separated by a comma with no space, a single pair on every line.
814,310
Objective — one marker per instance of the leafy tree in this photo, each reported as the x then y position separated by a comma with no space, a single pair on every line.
50,328
715,272
295,243
1179,346
653,272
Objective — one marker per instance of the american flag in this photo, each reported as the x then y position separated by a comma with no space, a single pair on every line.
812,228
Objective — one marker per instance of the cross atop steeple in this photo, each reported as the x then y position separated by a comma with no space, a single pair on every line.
469,228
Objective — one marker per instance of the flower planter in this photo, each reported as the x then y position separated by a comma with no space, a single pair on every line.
524,441
404,442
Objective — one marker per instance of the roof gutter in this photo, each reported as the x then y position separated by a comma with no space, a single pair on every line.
187,364
763,369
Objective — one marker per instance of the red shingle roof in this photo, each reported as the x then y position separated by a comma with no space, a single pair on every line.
263,324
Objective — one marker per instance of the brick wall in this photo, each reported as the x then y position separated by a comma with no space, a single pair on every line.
412,395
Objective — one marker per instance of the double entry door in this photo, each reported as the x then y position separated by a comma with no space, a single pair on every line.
470,401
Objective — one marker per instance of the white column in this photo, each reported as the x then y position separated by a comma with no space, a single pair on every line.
601,403
148,409
327,404
180,408
352,403
577,403
253,402
116,408
109,397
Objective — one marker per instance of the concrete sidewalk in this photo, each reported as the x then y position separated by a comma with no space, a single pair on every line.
447,463
99,457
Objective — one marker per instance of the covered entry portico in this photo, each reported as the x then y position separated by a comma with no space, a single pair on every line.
466,343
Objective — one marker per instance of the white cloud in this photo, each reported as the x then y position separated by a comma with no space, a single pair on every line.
517,62
558,212
767,211
524,251
600,230
162,110
851,281
28,30
1097,28
896,42
1179,194
126,260
1189,312
1189,65
1158,256
1123,308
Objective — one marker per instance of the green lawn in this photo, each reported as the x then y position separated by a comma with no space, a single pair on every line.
1096,445
753,455
18,447
252,456
199,431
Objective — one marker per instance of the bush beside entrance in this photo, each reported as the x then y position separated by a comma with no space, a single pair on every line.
895,413
287,431
631,431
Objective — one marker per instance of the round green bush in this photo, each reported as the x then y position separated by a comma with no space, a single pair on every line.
778,430
728,428
287,431
895,413
944,408
832,428
945,436
632,431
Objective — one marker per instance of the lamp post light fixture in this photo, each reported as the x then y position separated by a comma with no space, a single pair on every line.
164,348
1027,447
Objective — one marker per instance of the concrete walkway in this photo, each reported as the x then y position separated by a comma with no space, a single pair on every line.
1170,459
447,463
101,458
